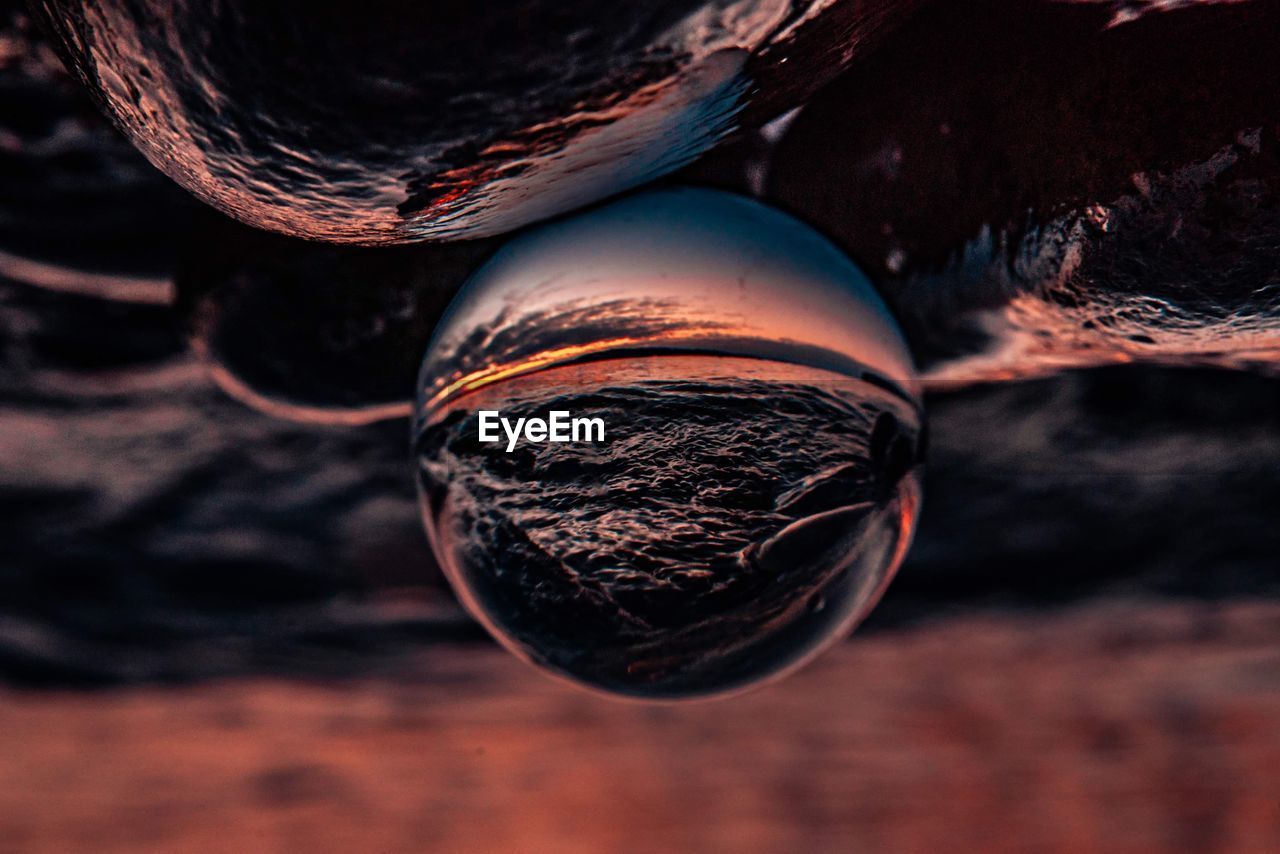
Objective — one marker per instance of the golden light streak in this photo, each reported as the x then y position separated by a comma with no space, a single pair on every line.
482,377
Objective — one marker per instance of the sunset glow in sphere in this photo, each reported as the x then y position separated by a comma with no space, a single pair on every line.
670,447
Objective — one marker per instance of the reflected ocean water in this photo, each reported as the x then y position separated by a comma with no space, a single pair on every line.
738,513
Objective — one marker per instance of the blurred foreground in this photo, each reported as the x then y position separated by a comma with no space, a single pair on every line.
1120,726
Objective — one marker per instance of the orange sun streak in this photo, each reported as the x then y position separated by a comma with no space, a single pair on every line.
482,377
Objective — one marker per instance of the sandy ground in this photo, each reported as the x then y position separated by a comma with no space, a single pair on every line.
1115,727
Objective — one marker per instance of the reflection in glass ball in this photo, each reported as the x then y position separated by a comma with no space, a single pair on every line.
756,484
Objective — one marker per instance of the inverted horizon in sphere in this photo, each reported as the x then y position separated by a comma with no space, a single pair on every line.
678,268
753,483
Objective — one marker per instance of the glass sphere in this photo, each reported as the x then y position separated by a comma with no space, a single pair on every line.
753,481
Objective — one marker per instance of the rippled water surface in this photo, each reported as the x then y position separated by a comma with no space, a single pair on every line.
395,122
739,513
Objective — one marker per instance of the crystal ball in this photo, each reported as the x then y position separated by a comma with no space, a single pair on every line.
670,447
